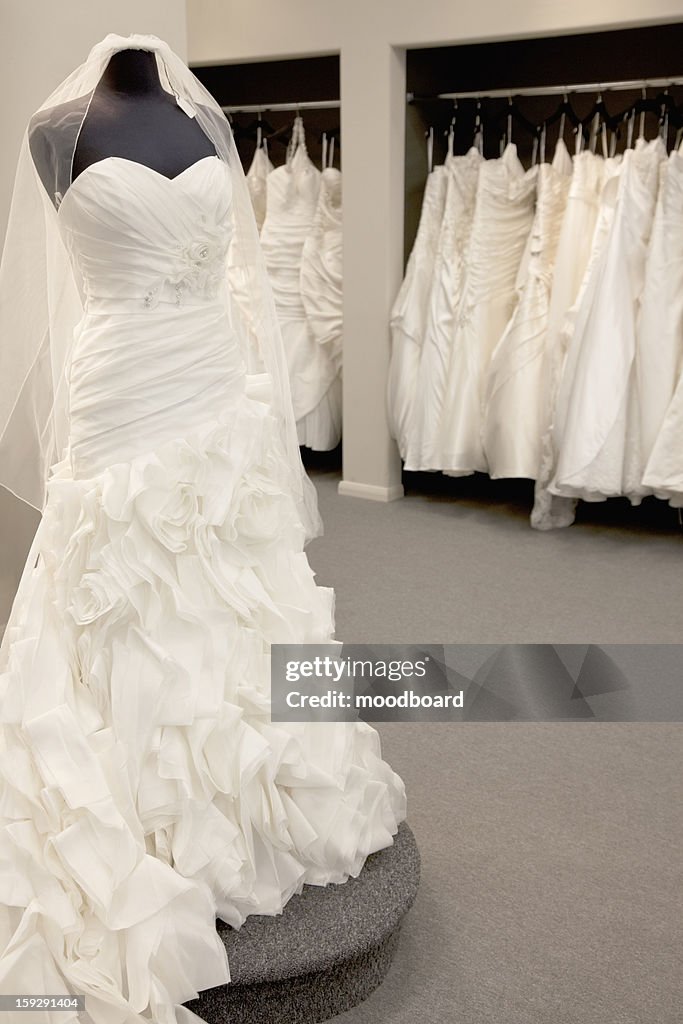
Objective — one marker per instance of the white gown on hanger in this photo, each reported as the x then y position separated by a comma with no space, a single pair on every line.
321,288
409,312
514,391
424,429
596,422
659,338
257,176
291,205
503,215
144,788
574,248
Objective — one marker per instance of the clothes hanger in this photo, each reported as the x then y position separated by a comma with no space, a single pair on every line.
664,121
450,131
429,136
565,112
478,136
514,115
259,128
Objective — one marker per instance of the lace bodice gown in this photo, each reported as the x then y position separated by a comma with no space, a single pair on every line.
145,789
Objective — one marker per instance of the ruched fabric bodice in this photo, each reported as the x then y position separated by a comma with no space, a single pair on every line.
155,350
137,238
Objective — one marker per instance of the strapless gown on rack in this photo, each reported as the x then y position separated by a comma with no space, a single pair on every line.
597,420
410,309
503,215
443,297
257,183
291,205
514,408
144,788
321,283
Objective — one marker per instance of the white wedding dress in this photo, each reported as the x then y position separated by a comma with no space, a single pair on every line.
576,245
514,406
450,256
659,341
503,215
597,429
321,283
292,201
257,183
144,788
409,312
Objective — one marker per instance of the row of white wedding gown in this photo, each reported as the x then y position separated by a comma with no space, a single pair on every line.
298,212
538,331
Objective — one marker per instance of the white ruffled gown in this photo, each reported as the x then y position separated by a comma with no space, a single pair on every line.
144,788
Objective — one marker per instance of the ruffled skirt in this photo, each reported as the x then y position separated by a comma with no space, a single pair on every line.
145,790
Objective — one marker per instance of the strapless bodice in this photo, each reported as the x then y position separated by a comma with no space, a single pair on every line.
137,237
155,352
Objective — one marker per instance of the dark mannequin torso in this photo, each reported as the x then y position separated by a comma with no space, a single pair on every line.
132,116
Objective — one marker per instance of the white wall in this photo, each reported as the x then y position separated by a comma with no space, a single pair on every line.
371,36
41,42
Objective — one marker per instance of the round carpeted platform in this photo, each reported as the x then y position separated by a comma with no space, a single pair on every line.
328,950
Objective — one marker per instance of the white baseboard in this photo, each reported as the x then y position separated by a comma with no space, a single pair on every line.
371,492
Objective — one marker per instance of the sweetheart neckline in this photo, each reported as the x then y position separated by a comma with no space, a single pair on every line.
144,167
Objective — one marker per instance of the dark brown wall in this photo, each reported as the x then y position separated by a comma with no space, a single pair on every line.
279,81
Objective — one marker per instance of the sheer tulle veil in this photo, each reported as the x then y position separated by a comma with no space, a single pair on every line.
40,298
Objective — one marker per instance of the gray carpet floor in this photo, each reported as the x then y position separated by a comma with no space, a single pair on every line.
552,876
469,569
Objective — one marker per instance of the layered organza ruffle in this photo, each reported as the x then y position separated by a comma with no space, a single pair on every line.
144,789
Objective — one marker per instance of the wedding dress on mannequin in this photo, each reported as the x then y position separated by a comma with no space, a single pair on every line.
145,790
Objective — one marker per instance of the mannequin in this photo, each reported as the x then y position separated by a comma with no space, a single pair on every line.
132,116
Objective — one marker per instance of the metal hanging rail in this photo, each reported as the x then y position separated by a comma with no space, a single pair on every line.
262,108
551,90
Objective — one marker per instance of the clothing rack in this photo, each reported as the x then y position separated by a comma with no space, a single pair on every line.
550,90
261,108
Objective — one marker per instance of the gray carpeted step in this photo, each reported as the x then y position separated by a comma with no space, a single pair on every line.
325,953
